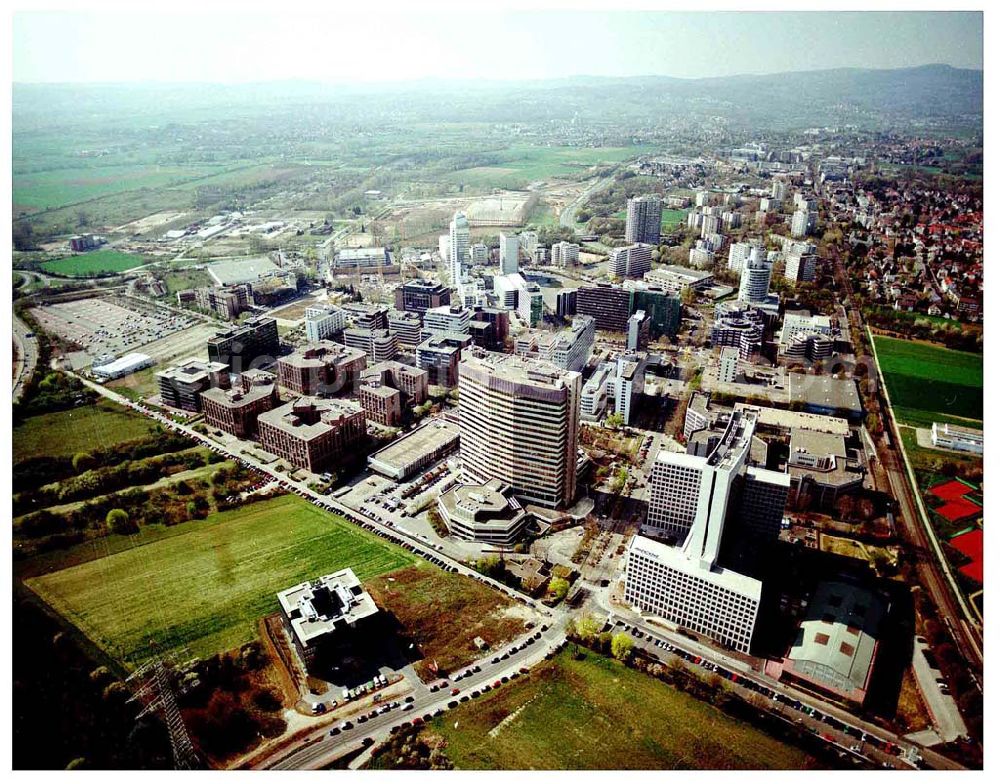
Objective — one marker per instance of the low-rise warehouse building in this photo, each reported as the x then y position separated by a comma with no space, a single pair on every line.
416,450
123,366
836,644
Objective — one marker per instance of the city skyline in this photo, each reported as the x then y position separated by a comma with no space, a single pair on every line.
546,45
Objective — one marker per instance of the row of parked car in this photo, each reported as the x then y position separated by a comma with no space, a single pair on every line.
775,696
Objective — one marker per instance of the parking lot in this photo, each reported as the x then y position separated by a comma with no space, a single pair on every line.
108,326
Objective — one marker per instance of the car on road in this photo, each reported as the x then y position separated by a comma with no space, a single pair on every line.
408,706
454,692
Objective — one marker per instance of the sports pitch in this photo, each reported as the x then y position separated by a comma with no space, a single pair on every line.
929,383
206,588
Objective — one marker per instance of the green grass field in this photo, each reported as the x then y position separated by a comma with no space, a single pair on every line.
61,187
596,714
207,587
94,262
521,164
76,430
928,383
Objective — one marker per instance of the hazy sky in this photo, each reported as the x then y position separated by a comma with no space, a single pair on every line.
381,45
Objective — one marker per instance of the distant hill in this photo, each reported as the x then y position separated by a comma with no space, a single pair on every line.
866,97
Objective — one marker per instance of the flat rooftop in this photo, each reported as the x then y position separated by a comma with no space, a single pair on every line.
319,607
415,446
837,638
227,273
824,392
797,420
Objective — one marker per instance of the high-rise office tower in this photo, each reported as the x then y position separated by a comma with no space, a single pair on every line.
458,247
520,423
694,499
509,245
755,280
643,218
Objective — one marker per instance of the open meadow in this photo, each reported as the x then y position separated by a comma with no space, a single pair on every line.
595,713
929,383
206,588
64,433
97,261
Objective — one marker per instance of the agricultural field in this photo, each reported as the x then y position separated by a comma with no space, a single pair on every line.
929,383
520,165
595,713
92,263
52,189
64,433
205,586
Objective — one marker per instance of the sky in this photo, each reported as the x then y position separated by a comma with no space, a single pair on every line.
382,45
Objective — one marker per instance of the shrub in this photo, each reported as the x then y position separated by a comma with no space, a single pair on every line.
119,523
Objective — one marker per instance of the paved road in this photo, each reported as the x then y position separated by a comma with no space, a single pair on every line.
567,217
321,749
27,356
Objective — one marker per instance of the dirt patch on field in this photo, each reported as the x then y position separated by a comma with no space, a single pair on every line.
443,613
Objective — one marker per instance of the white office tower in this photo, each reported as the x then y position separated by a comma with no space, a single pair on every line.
637,331
632,261
509,246
766,205
802,223
565,253
444,248
732,220
693,499
643,219
701,256
596,392
694,219
800,267
779,191
567,348
741,252
628,383
324,321
702,199
520,422
729,362
447,318
479,254
755,280
458,247
529,241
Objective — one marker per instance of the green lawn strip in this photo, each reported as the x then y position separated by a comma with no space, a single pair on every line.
206,589
598,714
64,433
